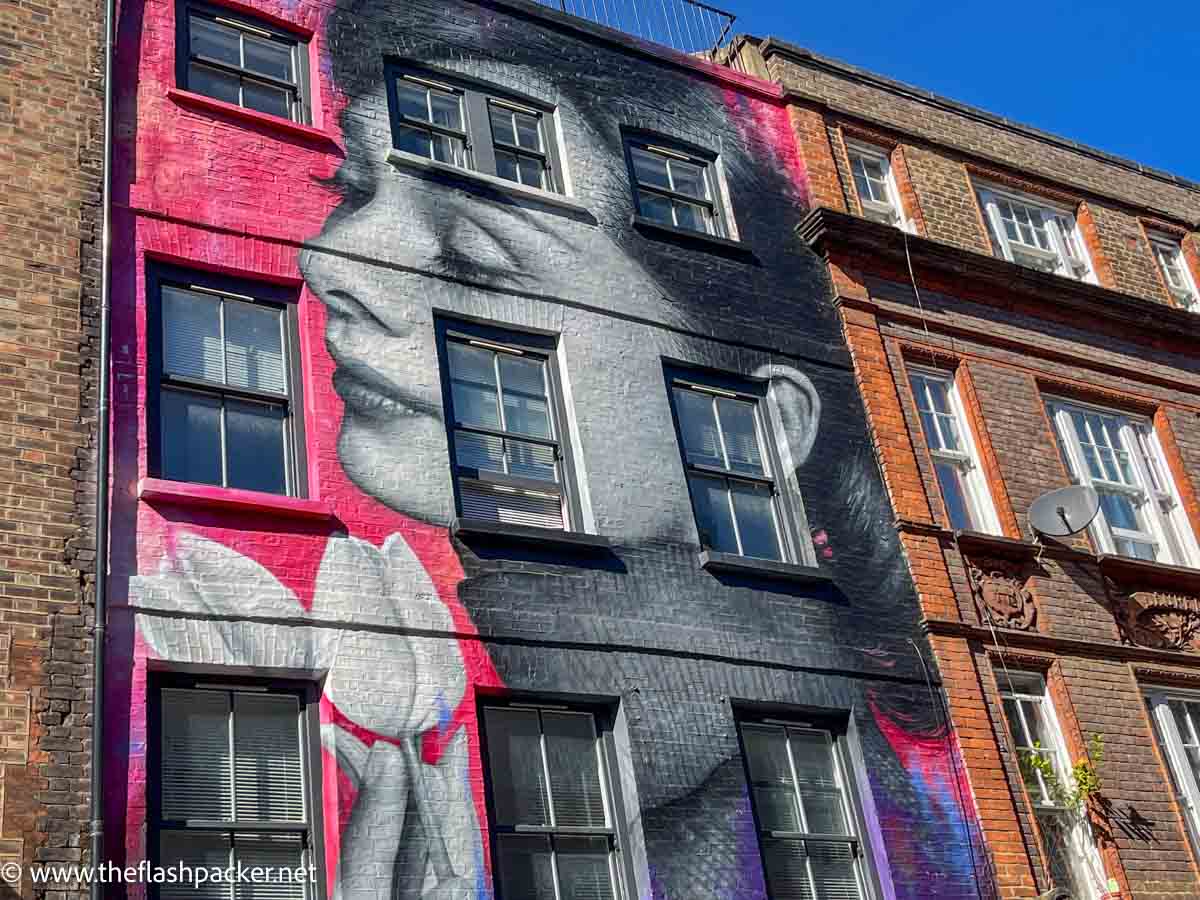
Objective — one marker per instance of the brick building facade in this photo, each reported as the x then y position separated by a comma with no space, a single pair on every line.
1021,314
491,486
51,156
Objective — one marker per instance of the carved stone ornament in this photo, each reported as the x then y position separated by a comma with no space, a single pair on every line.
1001,598
1159,620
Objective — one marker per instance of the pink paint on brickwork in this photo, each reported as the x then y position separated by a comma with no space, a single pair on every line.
767,126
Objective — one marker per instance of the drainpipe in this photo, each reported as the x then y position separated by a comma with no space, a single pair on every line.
102,454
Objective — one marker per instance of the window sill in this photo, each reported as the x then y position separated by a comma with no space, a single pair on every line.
1126,571
995,545
182,493
658,229
401,159
732,564
267,121
485,529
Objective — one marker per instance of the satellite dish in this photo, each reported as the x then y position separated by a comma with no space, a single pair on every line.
1064,512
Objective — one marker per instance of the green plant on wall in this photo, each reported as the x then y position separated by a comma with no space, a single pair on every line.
1084,778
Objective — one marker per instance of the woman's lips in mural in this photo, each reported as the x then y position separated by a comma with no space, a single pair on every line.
372,394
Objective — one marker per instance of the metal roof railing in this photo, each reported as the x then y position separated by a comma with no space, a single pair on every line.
688,26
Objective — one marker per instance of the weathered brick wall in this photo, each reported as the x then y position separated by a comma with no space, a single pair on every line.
50,164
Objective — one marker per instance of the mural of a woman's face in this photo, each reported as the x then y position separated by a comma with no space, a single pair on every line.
401,245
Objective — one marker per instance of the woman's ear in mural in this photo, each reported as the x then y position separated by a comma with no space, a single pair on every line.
799,407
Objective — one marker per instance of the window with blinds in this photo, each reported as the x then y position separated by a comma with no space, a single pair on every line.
232,789
807,828
506,440
550,804
730,475
225,405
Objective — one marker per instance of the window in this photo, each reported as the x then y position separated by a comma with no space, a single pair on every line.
551,803
730,465
245,62
1175,271
1066,837
808,829
1028,232
473,127
224,390
1140,513
872,171
233,785
505,423
955,459
675,188
1176,716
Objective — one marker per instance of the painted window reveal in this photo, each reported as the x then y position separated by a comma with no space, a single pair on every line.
675,188
505,430
1176,716
1140,512
1175,270
226,414
875,185
1032,233
808,829
1066,836
469,126
730,471
551,810
952,447
244,62
233,787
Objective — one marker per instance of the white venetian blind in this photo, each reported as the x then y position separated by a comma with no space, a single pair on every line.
281,854
510,505
192,335
254,347
196,782
268,773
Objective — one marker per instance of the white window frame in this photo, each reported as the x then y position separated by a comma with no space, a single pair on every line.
1154,493
1183,777
1066,254
979,497
1168,253
890,212
1085,860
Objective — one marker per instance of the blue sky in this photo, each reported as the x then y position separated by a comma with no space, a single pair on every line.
1120,76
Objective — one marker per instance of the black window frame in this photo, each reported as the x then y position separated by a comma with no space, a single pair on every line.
530,345
260,293
301,104
308,694
837,725
789,506
604,718
673,148
480,144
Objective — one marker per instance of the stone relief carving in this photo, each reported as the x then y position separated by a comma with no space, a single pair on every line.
1158,620
1001,598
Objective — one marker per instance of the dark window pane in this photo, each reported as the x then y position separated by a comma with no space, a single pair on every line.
583,869
688,179
191,437
531,460
254,347
710,497
212,83
532,171
413,100
281,855
502,126
447,110
740,428
571,757
954,495
528,132
473,384
264,98
479,451
449,150
507,166
1119,511
515,757
216,41
756,521
526,868
256,446
655,207
413,140
650,168
267,57
268,765
690,216
524,385
812,756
